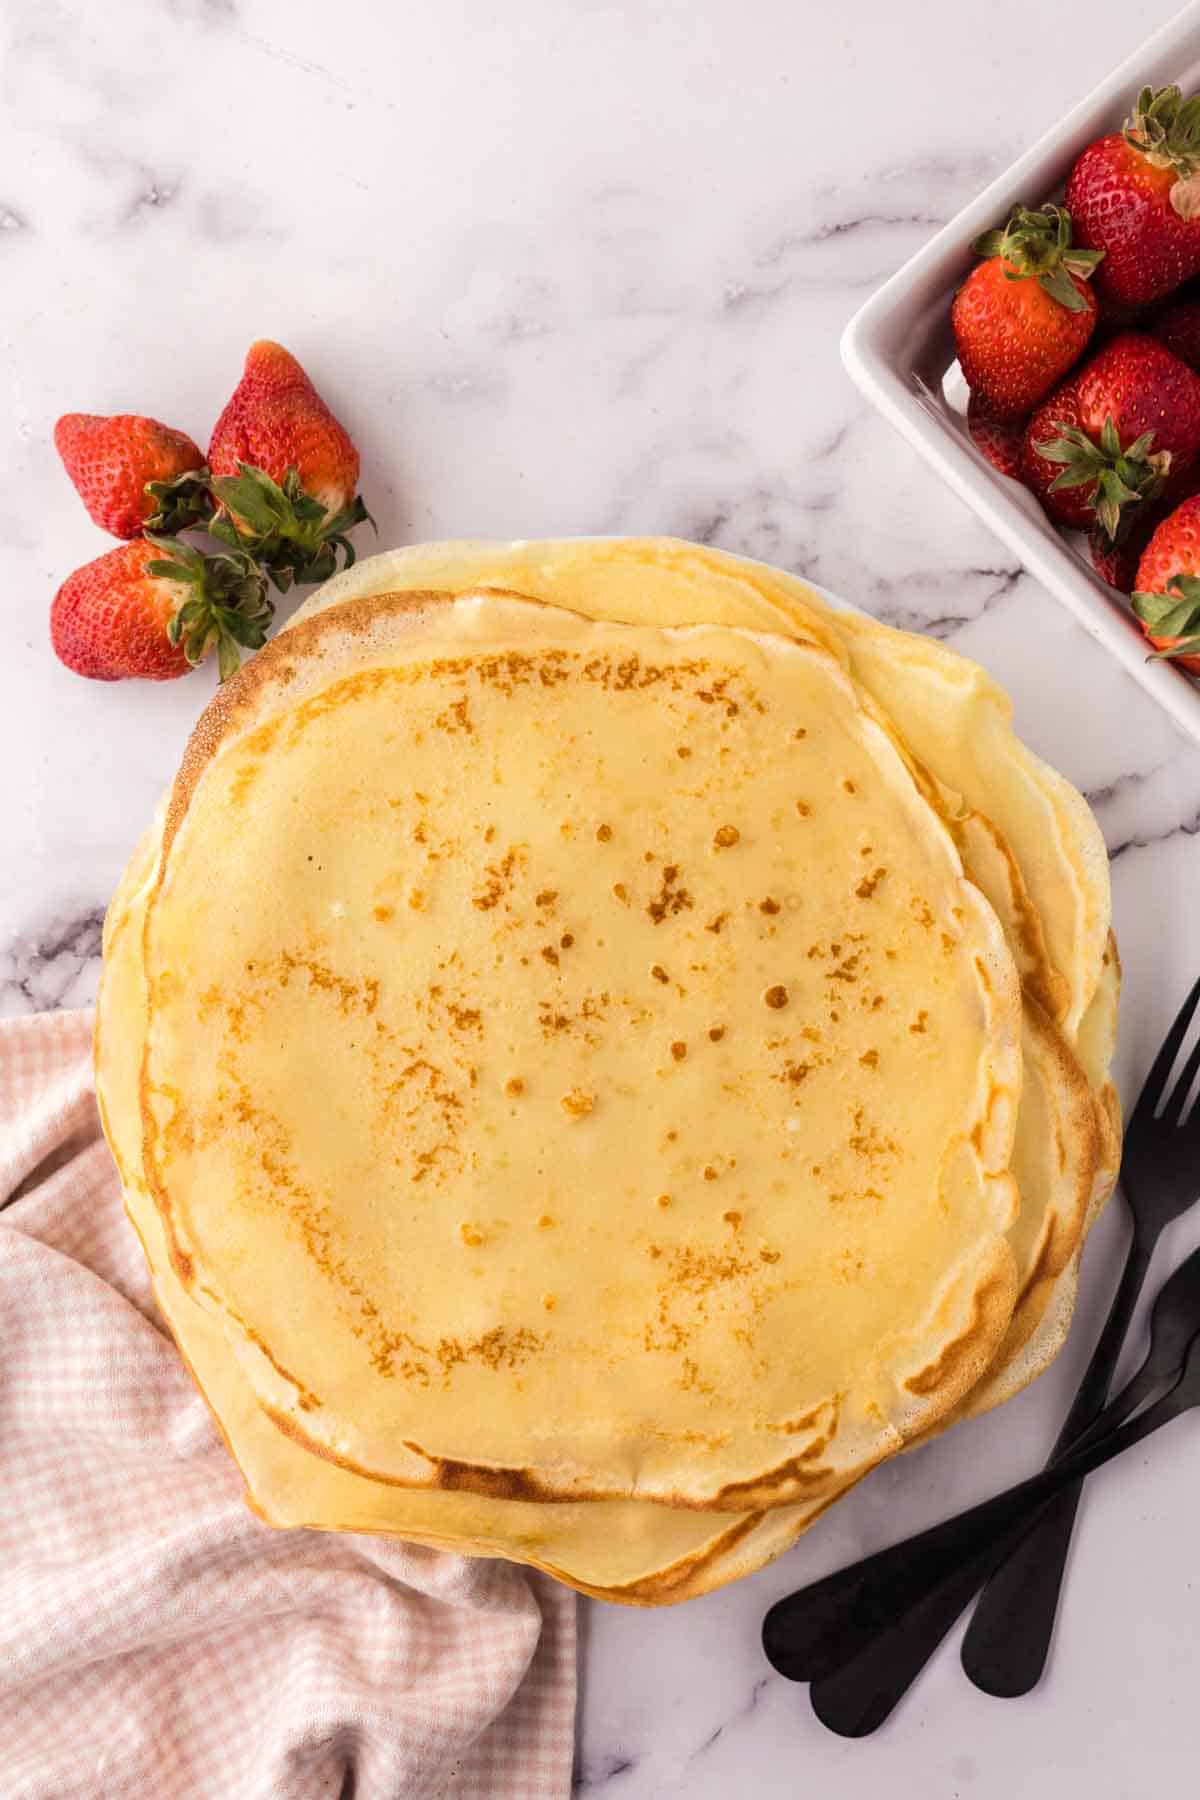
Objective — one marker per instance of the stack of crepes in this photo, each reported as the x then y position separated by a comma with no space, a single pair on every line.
602,1049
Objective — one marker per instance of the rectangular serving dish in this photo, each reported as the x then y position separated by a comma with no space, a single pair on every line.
899,350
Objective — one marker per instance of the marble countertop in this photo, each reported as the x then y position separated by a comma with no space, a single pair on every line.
581,266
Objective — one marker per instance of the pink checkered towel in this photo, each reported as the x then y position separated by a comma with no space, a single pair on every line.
156,1639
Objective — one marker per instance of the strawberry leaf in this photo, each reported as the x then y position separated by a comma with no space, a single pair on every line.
1152,609
1165,128
1122,478
243,628
225,604
184,556
1111,496
1076,475
1173,614
1177,619
1037,245
1071,446
181,503
229,659
258,503
1139,450
1058,284
1185,647
989,243
283,527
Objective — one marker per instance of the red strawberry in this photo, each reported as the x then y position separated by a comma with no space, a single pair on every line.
1178,327
1135,195
1130,425
1056,419
132,472
1167,600
1117,562
284,470
1114,563
137,612
1026,313
997,439
1137,383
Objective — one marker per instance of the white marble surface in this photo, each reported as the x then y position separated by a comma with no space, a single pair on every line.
573,266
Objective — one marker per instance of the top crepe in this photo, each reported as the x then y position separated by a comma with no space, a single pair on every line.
577,1065
1027,839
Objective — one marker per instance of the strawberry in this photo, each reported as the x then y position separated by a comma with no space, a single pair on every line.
1125,428
154,607
997,439
1135,195
1167,596
1026,313
132,472
284,471
1144,389
1056,421
1116,561
1178,327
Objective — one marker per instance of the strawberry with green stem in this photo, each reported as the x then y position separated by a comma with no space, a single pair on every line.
1166,597
1025,314
1122,431
133,473
226,606
153,608
1102,478
284,471
1135,195
1116,560
1171,621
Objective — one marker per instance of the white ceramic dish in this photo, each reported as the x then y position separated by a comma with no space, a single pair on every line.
898,350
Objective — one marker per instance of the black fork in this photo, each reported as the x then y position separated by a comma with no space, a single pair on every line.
1008,1640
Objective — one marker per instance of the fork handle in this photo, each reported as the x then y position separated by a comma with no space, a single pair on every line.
1008,1640
855,1697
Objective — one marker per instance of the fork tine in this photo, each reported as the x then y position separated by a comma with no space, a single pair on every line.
1173,1111
1156,1080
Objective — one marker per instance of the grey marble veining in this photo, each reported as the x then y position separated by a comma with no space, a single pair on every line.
55,963
583,268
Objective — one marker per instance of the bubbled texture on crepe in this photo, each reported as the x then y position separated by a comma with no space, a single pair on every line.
1045,873
630,1551
952,716
689,1381
1053,836
279,1471
634,1553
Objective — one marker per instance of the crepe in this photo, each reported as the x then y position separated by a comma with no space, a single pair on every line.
1026,837
634,1551
519,966
952,717
630,1552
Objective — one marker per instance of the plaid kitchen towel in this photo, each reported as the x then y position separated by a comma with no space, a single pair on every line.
155,1638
